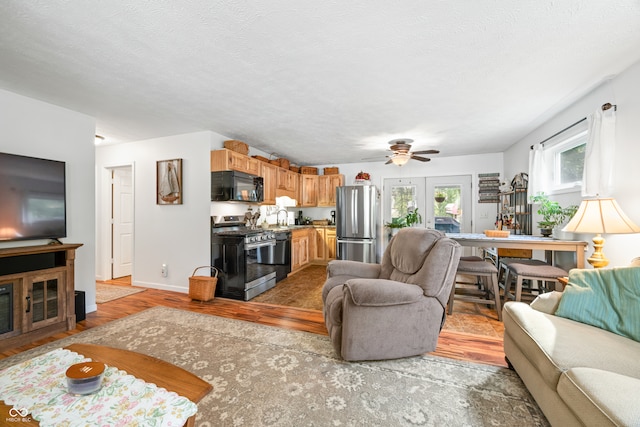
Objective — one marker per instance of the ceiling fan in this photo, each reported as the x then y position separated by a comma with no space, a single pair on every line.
402,152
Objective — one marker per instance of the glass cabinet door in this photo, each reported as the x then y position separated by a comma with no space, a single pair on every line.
44,300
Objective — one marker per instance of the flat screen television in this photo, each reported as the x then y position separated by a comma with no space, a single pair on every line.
32,198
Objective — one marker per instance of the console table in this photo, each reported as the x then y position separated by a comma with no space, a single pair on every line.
37,295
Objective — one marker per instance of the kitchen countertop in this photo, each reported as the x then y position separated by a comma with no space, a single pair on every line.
297,227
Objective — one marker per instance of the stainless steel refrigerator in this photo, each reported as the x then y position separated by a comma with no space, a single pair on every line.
357,222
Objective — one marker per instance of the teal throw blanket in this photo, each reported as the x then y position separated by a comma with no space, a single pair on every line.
606,298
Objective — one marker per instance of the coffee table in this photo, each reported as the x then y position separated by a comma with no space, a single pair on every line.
147,368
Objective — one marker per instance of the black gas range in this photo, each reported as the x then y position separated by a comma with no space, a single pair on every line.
236,253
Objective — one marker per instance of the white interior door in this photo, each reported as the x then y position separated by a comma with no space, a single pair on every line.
122,222
453,213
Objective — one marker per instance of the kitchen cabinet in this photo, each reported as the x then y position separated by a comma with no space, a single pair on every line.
224,159
319,247
330,242
300,248
269,173
36,292
253,166
325,245
327,185
308,190
287,183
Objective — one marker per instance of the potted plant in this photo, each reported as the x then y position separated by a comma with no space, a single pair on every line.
409,220
440,197
413,217
552,213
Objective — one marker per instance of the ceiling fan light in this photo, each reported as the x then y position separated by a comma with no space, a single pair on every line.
400,159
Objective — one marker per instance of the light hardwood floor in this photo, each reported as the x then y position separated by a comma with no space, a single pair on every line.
470,334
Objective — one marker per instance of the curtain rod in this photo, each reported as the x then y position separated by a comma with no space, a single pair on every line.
605,107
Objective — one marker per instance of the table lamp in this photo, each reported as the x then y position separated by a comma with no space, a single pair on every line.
600,216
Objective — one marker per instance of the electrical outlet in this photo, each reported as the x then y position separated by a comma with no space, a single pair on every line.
164,270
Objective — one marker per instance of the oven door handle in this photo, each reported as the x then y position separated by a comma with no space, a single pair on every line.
259,245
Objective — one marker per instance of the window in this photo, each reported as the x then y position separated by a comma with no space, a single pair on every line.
403,199
564,156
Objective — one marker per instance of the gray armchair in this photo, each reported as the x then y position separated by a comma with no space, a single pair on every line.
396,308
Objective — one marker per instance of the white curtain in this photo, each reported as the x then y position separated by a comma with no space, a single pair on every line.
538,176
597,179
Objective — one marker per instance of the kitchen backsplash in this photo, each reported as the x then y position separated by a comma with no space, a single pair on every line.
270,212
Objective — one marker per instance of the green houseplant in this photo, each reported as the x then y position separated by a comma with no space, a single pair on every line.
552,213
409,220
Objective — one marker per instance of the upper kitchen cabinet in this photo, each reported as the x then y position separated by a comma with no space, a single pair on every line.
287,183
269,174
308,190
327,185
224,160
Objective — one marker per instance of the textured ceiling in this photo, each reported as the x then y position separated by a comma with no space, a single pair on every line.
319,82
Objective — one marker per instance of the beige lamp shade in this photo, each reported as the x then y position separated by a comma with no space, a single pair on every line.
601,216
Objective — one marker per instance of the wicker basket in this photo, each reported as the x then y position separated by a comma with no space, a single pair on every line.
308,170
497,233
331,171
262,159
202,288
295,169
237,146
284,163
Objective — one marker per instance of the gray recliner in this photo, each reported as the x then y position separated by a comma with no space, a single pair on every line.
396,308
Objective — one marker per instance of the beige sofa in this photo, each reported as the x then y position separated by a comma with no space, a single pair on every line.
578,374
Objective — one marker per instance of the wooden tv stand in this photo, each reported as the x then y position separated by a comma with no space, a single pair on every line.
37,294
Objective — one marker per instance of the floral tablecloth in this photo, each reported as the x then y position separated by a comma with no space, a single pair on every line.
38,386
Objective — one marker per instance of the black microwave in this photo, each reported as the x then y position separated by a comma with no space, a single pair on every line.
234,186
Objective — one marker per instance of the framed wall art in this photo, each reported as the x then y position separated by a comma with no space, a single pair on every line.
169,182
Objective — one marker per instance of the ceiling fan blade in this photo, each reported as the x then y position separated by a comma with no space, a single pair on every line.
389,161
426,152
421,159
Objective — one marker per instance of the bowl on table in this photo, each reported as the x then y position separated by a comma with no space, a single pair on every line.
85,378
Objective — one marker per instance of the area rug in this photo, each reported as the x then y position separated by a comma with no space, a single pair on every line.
268,376
302,290
105,293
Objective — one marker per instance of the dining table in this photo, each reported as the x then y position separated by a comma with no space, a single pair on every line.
518,241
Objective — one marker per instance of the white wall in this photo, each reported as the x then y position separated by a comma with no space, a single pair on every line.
483,214
37,129
176,235
624,91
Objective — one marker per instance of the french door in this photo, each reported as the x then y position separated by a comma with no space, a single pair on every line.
400,195
444,202
448,203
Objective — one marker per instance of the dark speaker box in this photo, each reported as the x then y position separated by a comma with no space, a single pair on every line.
81,311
